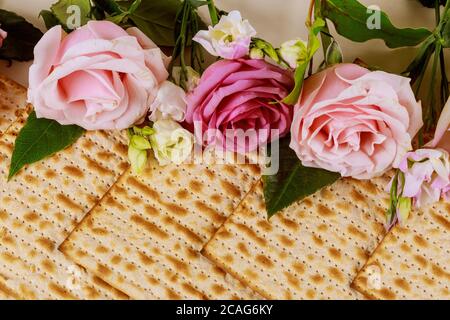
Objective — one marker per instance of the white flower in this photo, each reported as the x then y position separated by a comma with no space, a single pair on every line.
170,103
294,52
229,39
170,142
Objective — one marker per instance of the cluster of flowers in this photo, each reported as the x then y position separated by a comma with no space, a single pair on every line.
348,119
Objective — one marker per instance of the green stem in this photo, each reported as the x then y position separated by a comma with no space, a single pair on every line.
431,114
444,80
213,12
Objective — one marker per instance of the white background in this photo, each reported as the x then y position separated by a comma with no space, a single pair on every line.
276,21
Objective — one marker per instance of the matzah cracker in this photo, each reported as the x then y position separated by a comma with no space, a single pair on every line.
41,205
13,101
412,262
311,250
144,237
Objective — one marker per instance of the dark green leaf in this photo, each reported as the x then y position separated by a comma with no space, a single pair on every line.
293,182
155,18
432,3
49,18
40,138
417,67
66,16
22,37
109,6
351,21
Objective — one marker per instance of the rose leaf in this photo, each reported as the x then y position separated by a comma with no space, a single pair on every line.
40,138
293,182
359,23
21,39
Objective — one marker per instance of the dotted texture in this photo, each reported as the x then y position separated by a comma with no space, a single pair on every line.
412,262
145,236
311,250
42,204
13,102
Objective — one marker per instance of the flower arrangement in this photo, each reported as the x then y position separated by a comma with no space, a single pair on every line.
101,66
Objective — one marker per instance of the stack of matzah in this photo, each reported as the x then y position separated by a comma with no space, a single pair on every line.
310,251
81,225
411,262
13,102
40,207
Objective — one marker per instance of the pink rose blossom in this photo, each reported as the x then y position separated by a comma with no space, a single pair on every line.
3,35
355,122
98,77
427,176
240,96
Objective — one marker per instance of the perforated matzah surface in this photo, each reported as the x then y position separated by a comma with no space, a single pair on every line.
13,101
312,250
412,262
144,237
42,204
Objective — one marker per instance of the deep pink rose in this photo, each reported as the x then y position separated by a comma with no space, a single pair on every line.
241,96
98,77
354,121
3,35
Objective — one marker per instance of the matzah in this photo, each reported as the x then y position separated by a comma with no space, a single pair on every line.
144,237
41,205
13,102
311,250
412,262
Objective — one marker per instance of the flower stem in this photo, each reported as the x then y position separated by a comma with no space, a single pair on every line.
213,12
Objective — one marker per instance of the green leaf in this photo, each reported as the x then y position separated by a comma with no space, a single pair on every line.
40,138
333,54
293,182
65,13
22,37
313,46
446,34
109,6
49,18
432,3
293,97
351,21
155,18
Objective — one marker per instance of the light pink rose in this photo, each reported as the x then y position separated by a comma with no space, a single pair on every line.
355,122
3,35
427,176
238,97
442,134
98,77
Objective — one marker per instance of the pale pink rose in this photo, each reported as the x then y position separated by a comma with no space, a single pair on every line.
98,76
240,97
355,122
427,176
3,35
229,39
442,134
